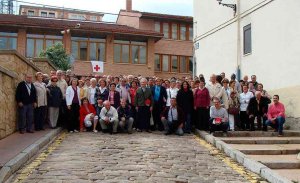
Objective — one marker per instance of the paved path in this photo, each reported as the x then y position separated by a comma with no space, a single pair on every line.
140,157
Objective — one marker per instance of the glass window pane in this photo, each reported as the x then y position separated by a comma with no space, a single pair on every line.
35,36
165,64
125,53
143,55
30,48
174,64
57,41
135,54
49,43
83,50
52,15
157,62
38,47
182,32
53,37
157,26
117,53
93,52
8,34
183,67
121,41
191,65
44,14
3,43
75,50
97,40
174,31
101,51
166,30
12,43
190,33
247,39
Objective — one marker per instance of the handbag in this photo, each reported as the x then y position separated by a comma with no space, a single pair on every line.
233,110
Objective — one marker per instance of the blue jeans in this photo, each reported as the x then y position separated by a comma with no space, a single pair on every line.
279,121
169,126
187,125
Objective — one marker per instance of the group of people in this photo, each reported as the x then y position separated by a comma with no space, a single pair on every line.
127,103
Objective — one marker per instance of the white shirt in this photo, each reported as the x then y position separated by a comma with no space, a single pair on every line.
244,100
112,114
171,93
92,92
172,115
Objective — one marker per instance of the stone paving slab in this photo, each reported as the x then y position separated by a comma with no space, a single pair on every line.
140,157
261,140
267,149
278,161
292,174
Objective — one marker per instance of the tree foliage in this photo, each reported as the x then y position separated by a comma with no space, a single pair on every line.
58,56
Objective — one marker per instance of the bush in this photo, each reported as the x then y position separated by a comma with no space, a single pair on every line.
58,56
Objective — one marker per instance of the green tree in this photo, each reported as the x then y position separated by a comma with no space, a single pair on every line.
58,56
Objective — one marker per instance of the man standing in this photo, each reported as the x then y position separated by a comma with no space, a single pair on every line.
276,115
123,89
143,103
26,99
173,118
218,117
109,118
254,81
258,107
159,95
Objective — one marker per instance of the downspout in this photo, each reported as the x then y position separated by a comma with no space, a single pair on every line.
239,56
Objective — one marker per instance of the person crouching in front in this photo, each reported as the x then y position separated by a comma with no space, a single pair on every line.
109,118
125,117
173,119
218,117
88,117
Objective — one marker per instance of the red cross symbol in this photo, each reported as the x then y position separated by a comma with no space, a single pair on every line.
97,68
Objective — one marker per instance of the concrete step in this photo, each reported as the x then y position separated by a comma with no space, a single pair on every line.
289,161
267,149
261,140
256,134
292,174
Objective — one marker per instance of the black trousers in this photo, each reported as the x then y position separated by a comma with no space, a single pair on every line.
244,120
157,110
221,127
63,113
73,122
202,118
39,117
260,122
143,117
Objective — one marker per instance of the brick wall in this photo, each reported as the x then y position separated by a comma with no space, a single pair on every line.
129,18
174,47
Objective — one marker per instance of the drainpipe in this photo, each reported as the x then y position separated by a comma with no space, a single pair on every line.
239,49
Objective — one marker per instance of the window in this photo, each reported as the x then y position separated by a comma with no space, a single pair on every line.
30,13
174,64
43,14
190,33
165,63
8,41
183,64
88,49
37,43
247,39
93,18
157,63
166,30
182,32
77,17
191,65
157,26
174,31
52,15
130,52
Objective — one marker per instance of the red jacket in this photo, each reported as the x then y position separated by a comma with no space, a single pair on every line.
83,112
201,98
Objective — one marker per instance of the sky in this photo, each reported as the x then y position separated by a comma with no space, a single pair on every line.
176,7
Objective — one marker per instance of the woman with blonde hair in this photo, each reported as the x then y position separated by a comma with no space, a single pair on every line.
41,108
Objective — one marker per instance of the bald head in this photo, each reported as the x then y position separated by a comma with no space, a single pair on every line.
106,104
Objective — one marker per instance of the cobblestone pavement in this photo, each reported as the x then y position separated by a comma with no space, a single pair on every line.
140,157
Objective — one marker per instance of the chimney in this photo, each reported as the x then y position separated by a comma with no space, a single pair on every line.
128,5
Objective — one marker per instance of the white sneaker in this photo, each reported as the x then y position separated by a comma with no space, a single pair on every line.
95,131
76,131
70,131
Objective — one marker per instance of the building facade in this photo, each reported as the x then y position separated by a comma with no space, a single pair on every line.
262,38
138,43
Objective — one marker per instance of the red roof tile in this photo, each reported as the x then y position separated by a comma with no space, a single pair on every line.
168,17
22,20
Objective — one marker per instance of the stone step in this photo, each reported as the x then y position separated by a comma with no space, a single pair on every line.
267,149
278,161
261,140
291,174
256,134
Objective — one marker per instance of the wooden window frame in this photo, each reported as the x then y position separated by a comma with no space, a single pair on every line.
130,44
8,36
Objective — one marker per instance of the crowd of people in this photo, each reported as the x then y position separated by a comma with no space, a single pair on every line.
123,104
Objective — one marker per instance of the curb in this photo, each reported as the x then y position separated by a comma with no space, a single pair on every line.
17,162
241,158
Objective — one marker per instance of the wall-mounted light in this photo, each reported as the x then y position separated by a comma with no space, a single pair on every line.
232,6
66,31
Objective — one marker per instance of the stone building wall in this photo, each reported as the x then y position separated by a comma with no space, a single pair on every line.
44,64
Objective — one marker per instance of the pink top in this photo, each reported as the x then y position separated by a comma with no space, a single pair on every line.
111,97
276,110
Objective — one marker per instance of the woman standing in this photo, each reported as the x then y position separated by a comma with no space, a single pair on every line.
83,90
114,96
233,110
244,102
55,98
91,93
101,91
40,110
132,93
73,103
185,100
201,105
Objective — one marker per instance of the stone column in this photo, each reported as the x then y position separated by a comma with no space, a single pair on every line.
150,54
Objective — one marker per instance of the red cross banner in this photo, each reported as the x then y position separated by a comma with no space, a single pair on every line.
97,66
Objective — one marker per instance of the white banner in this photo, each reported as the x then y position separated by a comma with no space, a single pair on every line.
97,66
